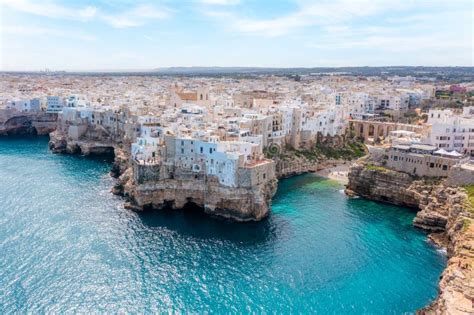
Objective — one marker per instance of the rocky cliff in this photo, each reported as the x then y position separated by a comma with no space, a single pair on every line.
444,211
19,123
456,286
381,184
59,143
239,204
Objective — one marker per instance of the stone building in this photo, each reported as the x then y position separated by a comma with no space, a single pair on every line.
423,160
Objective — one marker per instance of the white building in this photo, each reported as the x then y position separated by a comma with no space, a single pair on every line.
19,105
54,104
451,131
77,100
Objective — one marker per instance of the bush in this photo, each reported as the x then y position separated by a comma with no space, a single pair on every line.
470,195
376,168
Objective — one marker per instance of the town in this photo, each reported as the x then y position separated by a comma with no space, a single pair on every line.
222,143
228,135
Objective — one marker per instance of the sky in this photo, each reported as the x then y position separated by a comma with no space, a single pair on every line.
77,35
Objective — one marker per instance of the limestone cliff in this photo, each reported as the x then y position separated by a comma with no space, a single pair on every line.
444,211
381,184
60,143
19,123
456,287
239,204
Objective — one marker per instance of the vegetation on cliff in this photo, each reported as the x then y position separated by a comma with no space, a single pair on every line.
470,194
347,151
470,207
378,168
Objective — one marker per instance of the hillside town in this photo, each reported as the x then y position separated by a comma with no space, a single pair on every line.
222,143
244,133
218,125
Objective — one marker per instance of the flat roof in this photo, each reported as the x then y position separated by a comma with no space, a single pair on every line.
401,147
425,147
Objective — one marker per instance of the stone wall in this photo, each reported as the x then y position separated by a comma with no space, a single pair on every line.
146,173
461,175
257,175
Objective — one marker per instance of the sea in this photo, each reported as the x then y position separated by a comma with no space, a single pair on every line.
68,245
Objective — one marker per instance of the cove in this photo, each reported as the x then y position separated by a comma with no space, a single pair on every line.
68,244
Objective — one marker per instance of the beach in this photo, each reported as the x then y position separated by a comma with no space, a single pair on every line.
338,172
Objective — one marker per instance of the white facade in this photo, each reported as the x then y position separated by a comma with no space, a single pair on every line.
19,105
452,131
77,100
54,104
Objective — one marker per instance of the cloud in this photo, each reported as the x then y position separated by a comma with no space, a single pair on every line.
132,17
219,2
52,10
307,14
422,37
138,16
333,14
44,31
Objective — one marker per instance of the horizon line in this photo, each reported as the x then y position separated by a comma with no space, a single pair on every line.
158,69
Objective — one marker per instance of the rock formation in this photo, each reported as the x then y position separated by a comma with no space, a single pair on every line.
18,123
239,204
236,203
445,212
60,143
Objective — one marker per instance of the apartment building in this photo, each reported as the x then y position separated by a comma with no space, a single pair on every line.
452,131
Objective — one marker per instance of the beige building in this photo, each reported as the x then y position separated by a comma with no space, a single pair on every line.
423,160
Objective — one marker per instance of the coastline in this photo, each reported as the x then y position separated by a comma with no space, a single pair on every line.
336,170
443,211
339,172
174,238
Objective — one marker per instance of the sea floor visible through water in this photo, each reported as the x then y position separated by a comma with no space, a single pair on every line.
68,245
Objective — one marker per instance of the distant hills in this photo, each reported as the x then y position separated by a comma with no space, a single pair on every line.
364,71
456,73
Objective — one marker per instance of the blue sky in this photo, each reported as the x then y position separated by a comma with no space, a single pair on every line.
126,34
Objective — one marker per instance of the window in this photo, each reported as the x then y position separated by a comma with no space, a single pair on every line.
432,165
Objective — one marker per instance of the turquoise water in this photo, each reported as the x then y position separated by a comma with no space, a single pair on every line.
67,244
